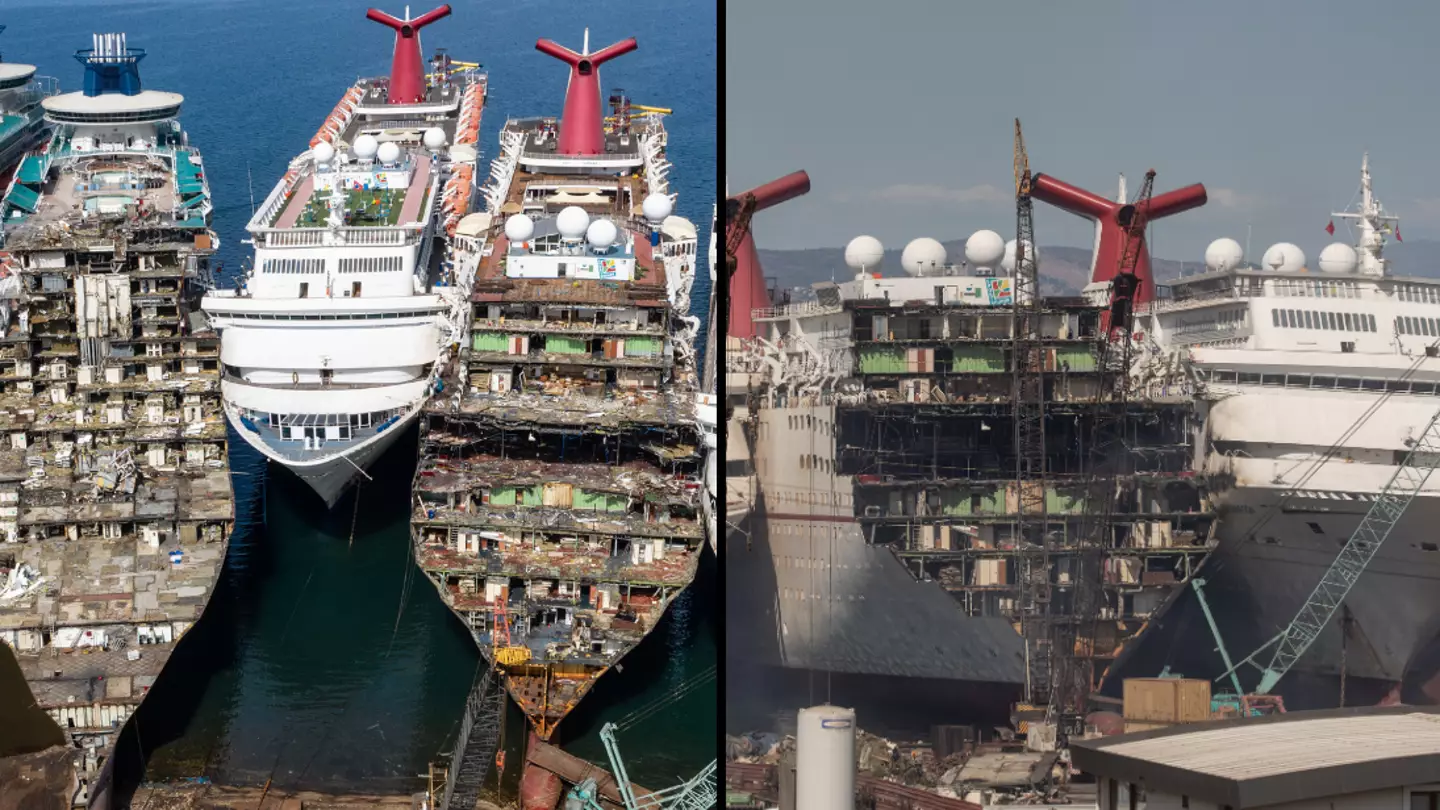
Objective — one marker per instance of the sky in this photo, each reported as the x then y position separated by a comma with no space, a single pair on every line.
902,112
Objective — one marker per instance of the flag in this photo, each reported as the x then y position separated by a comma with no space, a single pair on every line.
1330,229
1397,235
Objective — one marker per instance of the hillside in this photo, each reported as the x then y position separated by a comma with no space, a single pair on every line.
1063,270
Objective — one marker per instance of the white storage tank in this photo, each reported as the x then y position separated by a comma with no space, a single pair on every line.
825,759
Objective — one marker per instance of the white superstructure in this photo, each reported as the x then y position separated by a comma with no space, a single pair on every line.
335,337
1312,380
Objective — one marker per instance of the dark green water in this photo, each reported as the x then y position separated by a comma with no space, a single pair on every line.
331,664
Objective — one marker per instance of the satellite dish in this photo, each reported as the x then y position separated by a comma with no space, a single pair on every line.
985,249
434,139
324,153
366,146
1008,262
1224,254
864,253
1284,258
1339,258
572,222
601,234
388,153
923,257
850,385
656,208
519,227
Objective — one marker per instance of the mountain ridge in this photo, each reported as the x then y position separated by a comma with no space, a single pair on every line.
1063,270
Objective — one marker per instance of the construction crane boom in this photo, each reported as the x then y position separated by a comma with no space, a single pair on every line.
1028,416
738,211
1421,460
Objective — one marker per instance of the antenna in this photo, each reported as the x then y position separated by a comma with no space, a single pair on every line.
250,179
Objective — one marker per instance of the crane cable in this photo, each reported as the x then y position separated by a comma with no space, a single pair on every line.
1334,448
645,712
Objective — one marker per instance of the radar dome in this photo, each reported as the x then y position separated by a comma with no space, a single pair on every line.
864,253
519,227
434,138
657,207
1284,258
923,256
984,249
366,146
388,153
1339,258
601,233
1224,254
324,153
1008,262
572,222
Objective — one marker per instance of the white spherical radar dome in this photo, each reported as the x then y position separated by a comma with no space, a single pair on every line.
388,153
572,222
601,233
1008,262
657,207
434,138
1339,258
519,227
864,253
324,153
984,249
1283,258
366,146
923,256
1224,254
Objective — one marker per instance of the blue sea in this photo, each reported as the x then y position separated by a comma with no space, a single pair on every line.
324,661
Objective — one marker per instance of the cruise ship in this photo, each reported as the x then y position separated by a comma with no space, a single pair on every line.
1311,380
883,558
334,337
559,498
115,501
23,126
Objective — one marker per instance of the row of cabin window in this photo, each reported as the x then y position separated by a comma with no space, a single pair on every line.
1225,377
1313,319
1409,325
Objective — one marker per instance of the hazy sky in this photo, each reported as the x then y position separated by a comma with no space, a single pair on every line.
902,112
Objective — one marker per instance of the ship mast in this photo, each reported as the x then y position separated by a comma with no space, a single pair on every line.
1373,222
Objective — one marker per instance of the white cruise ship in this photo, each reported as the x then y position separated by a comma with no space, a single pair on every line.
1311,380
335,337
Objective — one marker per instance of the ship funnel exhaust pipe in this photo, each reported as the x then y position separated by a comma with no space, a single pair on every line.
407,67
582,125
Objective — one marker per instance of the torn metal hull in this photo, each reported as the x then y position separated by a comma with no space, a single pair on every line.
1256,581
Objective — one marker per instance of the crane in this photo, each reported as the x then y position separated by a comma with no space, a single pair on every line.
1028,417
1074,674
738,211
1421,460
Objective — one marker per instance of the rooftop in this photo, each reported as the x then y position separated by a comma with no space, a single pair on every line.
1264,761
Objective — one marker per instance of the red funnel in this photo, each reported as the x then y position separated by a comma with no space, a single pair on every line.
582,126
747,285
407,69
1112,233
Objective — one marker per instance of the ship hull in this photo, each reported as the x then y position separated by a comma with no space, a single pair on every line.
1269,558
332,477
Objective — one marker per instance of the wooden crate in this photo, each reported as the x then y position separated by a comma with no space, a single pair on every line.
1166,700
